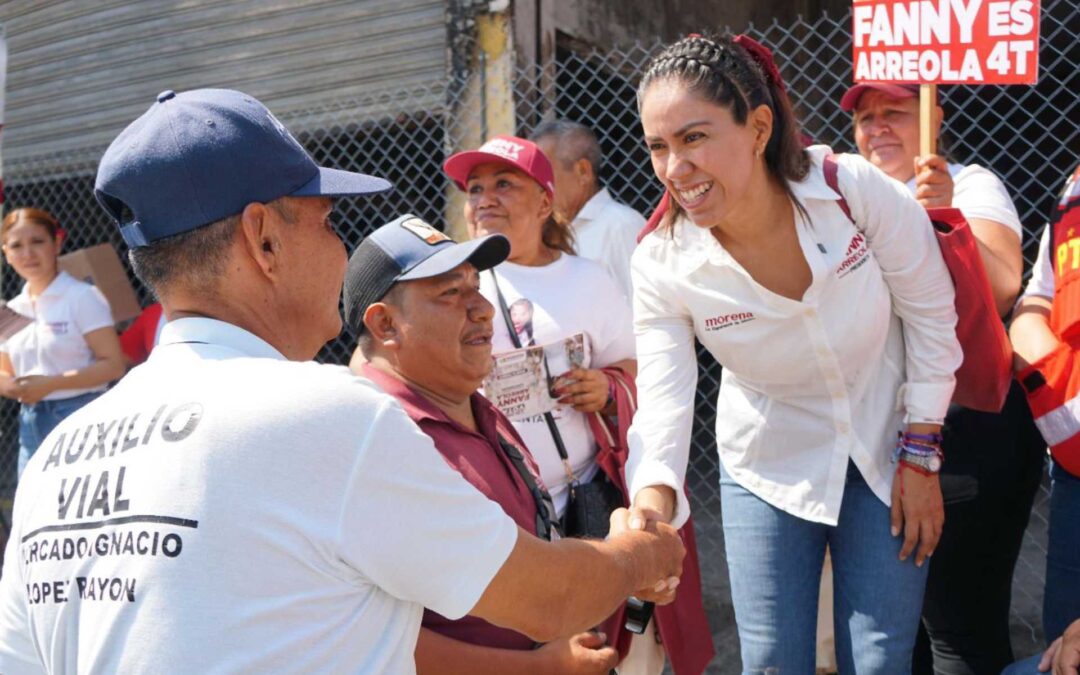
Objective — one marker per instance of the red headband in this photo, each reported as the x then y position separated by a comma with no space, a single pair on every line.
764,58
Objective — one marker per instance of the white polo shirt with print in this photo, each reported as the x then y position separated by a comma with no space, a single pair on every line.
222,509
53,344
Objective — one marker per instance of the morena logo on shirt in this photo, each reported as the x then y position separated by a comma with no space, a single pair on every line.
57,327
722,321
854,257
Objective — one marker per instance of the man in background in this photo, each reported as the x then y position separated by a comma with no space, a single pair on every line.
604,229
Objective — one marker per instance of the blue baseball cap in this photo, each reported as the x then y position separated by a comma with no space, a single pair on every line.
405,249
199,156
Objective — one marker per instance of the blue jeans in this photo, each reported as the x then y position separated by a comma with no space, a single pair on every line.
1028,666
1061,604
775,561
38,419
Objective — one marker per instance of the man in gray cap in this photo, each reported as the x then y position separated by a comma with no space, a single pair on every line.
412,298
232,506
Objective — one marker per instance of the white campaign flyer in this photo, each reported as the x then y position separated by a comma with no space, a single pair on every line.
522,381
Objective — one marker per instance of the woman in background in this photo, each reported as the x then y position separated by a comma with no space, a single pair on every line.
550,294
995,459
70,351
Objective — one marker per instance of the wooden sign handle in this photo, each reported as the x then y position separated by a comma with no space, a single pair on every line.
927,105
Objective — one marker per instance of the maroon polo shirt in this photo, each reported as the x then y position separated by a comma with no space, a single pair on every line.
478,457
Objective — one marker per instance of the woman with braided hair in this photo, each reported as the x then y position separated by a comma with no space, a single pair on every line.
836,330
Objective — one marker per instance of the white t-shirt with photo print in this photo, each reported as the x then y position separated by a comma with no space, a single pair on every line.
569,296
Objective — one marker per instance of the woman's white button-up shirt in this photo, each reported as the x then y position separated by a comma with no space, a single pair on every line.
807,385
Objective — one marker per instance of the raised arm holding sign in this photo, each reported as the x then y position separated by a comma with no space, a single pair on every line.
902,51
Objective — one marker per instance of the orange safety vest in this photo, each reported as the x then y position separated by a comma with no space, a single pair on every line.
1065,240
1053,382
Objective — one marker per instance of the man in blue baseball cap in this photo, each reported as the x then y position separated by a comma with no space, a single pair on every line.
230,505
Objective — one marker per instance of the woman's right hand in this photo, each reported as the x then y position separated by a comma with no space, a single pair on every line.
581,654
652,503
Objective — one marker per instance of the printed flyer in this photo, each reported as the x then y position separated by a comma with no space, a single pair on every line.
522,382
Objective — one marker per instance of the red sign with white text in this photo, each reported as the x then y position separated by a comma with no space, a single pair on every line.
946,41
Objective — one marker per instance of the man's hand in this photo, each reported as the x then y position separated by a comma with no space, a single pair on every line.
672,552
1064,654
933,182
584,389
581,654
32,388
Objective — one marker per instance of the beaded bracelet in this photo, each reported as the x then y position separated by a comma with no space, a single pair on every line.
915,449
923,445
919,452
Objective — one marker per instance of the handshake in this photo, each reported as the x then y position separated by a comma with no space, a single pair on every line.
554,590
657,549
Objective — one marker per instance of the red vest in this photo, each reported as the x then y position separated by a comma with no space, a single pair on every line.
1065,258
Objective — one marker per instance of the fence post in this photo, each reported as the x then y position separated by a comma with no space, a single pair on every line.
485,104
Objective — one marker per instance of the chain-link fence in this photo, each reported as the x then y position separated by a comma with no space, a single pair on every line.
1027,135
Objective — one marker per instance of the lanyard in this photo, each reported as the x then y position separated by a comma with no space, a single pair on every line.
548,417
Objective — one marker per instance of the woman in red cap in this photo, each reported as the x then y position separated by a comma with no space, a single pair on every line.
510,188
995,459
572,303
835,338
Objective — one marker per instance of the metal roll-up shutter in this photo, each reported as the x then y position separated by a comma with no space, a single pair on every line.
80,71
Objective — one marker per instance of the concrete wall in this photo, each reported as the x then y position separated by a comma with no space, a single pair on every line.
612,22
80,71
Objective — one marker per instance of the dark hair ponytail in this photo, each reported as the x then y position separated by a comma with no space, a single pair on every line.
737,73
557,236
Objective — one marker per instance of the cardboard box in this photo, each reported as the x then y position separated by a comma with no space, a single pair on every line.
99,265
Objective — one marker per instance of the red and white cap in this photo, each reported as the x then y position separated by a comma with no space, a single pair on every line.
851,97
517,152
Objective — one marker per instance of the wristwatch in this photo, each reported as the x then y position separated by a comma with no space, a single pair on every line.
931,463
